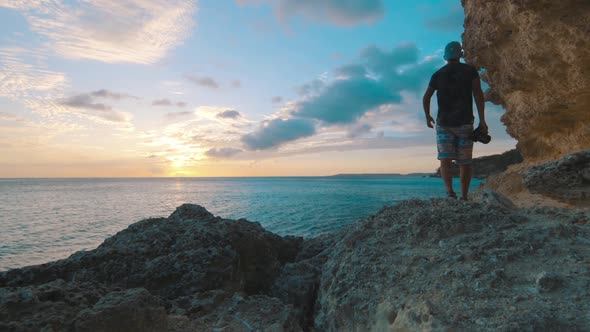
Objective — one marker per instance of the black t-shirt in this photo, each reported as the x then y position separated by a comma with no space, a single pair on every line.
454,94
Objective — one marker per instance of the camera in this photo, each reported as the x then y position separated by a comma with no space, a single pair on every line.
479,136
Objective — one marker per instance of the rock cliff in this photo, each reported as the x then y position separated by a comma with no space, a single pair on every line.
421,265
536,57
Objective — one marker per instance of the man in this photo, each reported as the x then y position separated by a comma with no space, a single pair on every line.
456,84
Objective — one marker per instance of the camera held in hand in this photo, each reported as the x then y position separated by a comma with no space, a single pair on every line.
479,136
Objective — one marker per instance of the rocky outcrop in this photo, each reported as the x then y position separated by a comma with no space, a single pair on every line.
536,56
446,265
190,264
486,166
421,265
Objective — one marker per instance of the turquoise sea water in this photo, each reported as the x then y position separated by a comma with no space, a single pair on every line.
48,219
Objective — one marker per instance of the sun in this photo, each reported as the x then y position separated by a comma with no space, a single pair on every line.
178,163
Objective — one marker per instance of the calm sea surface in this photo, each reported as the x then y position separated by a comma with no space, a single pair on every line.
48,219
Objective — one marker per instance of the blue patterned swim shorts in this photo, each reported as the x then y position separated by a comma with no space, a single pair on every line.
455,143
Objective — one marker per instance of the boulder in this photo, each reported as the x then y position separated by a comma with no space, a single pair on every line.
187,264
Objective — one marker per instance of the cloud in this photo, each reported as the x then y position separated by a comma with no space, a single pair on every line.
229,114
339,12
177,115
452,21
138,31
207,82
345,101
222,153
24,75
364,90
359,130
85,101
103,93
89,106
277,99
360,87
275,132
236,84
168,102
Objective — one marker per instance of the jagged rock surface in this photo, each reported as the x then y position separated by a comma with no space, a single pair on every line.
444,265
536,56
420,265
175,263
486,166
566,180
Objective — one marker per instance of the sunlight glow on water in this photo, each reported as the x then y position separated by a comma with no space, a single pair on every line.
47,219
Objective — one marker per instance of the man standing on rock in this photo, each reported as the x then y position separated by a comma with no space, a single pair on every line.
456,84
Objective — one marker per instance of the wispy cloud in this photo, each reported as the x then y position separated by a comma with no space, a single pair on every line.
178,115
138,31
104,93
86,103
359,130
168,102
339,12
222,153
229,114
23,74
276,99
207,82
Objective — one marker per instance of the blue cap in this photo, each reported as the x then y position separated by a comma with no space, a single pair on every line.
453,50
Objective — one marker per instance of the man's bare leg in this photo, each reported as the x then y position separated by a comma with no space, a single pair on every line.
465,175
446,173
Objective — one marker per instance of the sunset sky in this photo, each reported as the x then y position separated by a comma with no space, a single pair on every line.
111,88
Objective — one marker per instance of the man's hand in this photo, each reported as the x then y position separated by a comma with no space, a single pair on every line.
430,122
484,127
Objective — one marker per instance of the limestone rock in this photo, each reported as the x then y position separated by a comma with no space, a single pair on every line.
536,56
391,273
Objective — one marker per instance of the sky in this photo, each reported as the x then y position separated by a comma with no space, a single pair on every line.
167,88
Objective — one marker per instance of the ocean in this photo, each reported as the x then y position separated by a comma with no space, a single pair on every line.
48,219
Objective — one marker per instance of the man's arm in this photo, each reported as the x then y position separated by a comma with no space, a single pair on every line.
480,103
426,104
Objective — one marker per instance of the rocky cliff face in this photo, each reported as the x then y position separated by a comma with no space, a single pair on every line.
435,265
536,56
